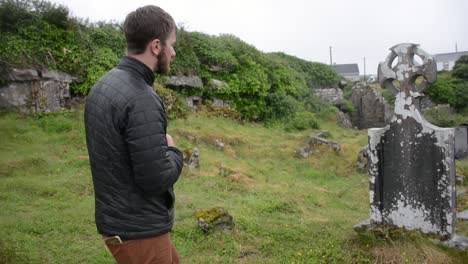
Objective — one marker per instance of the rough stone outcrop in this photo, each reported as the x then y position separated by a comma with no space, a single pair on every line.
33,91
180,82
343,120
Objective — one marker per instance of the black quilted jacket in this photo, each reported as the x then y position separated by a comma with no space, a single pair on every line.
133,168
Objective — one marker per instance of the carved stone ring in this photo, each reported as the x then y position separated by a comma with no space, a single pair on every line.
407,70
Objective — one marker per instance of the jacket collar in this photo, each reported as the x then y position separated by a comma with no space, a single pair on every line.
138,68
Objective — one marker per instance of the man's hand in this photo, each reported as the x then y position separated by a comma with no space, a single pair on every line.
170,141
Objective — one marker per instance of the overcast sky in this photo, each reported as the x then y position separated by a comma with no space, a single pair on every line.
306,29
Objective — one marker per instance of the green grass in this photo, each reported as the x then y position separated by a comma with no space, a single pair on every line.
286,210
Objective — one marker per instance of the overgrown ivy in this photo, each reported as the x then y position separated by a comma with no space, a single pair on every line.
275,86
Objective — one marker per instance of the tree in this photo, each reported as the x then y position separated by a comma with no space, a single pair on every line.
460,70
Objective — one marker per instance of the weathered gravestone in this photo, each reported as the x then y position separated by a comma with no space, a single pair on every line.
411,162
372,110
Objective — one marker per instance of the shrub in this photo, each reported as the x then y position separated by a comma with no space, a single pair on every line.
449,90
174,103
347,106
281,106
186,62
388,96
99,62
260,86
460,70
303,120
443,116
315,74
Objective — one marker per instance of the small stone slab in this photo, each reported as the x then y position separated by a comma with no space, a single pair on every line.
463,215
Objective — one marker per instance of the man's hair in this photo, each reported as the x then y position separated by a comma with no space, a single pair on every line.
146,24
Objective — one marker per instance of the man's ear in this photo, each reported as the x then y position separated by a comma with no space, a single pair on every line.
155,46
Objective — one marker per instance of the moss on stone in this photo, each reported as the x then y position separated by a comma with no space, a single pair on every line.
210,215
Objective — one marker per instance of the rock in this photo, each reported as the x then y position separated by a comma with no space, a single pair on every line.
330,95
324,134
317,141
314,142
191,158
362,159
460,179
23,75
214,220
219,144
58,76
184,82
214,84
219,103
225,171
215,68
463,215
303,152
343,120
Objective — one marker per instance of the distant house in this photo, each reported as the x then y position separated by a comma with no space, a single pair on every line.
348,71
446,61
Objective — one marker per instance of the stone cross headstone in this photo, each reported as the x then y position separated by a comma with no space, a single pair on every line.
411,162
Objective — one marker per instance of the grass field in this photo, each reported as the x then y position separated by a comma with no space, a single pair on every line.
286,210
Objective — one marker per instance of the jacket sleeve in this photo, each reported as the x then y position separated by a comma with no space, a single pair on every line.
156,166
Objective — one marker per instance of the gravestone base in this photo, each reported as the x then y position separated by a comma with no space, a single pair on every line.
456,241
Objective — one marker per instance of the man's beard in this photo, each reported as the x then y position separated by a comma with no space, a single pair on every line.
163,64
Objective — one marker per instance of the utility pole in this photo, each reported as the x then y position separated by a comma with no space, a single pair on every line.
331,58
456,47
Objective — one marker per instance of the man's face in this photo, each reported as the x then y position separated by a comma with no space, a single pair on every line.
166,55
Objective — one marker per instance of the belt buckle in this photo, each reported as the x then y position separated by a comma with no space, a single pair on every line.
113,240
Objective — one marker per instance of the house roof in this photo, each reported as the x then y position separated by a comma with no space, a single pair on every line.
452,56
346,68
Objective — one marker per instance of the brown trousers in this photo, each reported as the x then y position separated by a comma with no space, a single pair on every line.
153,250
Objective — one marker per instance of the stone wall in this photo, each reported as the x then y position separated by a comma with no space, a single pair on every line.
330,95
33,91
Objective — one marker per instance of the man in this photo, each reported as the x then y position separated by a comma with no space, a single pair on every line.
134,163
